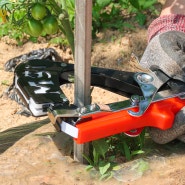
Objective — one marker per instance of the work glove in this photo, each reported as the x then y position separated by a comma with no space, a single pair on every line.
166,53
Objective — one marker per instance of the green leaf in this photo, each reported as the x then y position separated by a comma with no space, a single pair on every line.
111,158
142,138
33,39
101,147
71,9
88,160
89,167
103,167
95,157
58,40
137,152
145,4
142,4
4,30
116,168
126,150
3,2
135,4
141,18
71,3
103,3
128,25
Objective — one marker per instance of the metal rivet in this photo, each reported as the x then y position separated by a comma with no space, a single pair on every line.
92,107
135,99
83,110
144,78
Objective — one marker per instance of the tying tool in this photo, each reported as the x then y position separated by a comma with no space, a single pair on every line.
151,102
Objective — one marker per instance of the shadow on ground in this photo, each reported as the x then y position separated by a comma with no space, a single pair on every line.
12,135
173,147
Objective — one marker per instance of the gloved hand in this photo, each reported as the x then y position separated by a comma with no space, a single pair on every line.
166,52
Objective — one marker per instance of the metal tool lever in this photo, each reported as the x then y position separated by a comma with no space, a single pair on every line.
149,84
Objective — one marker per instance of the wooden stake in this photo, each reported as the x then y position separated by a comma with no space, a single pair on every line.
83,28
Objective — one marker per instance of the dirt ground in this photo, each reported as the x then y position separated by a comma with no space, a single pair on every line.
30,149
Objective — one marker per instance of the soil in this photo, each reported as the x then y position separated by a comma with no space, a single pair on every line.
32,152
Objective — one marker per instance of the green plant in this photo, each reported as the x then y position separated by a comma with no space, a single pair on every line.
140,6
39,17
100,162
7,29
106,14
105,151
109,14
71,11
129,146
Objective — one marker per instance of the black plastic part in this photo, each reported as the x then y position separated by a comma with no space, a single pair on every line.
40,80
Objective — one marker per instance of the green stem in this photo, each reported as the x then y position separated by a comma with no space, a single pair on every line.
63,3
68,30
62,13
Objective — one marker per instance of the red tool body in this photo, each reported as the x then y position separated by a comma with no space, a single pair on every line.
160,114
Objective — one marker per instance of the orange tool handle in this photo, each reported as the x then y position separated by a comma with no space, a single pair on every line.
160,114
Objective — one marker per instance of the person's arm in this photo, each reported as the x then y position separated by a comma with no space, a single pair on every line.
173,7
172,18
166,53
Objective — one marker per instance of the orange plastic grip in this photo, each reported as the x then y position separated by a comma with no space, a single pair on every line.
160,114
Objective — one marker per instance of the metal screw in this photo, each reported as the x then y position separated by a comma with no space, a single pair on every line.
92,107
144,78
83,110
135,99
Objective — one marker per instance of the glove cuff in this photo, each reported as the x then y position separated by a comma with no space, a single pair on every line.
172,22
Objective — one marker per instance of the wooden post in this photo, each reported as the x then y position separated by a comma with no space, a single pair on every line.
83,28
